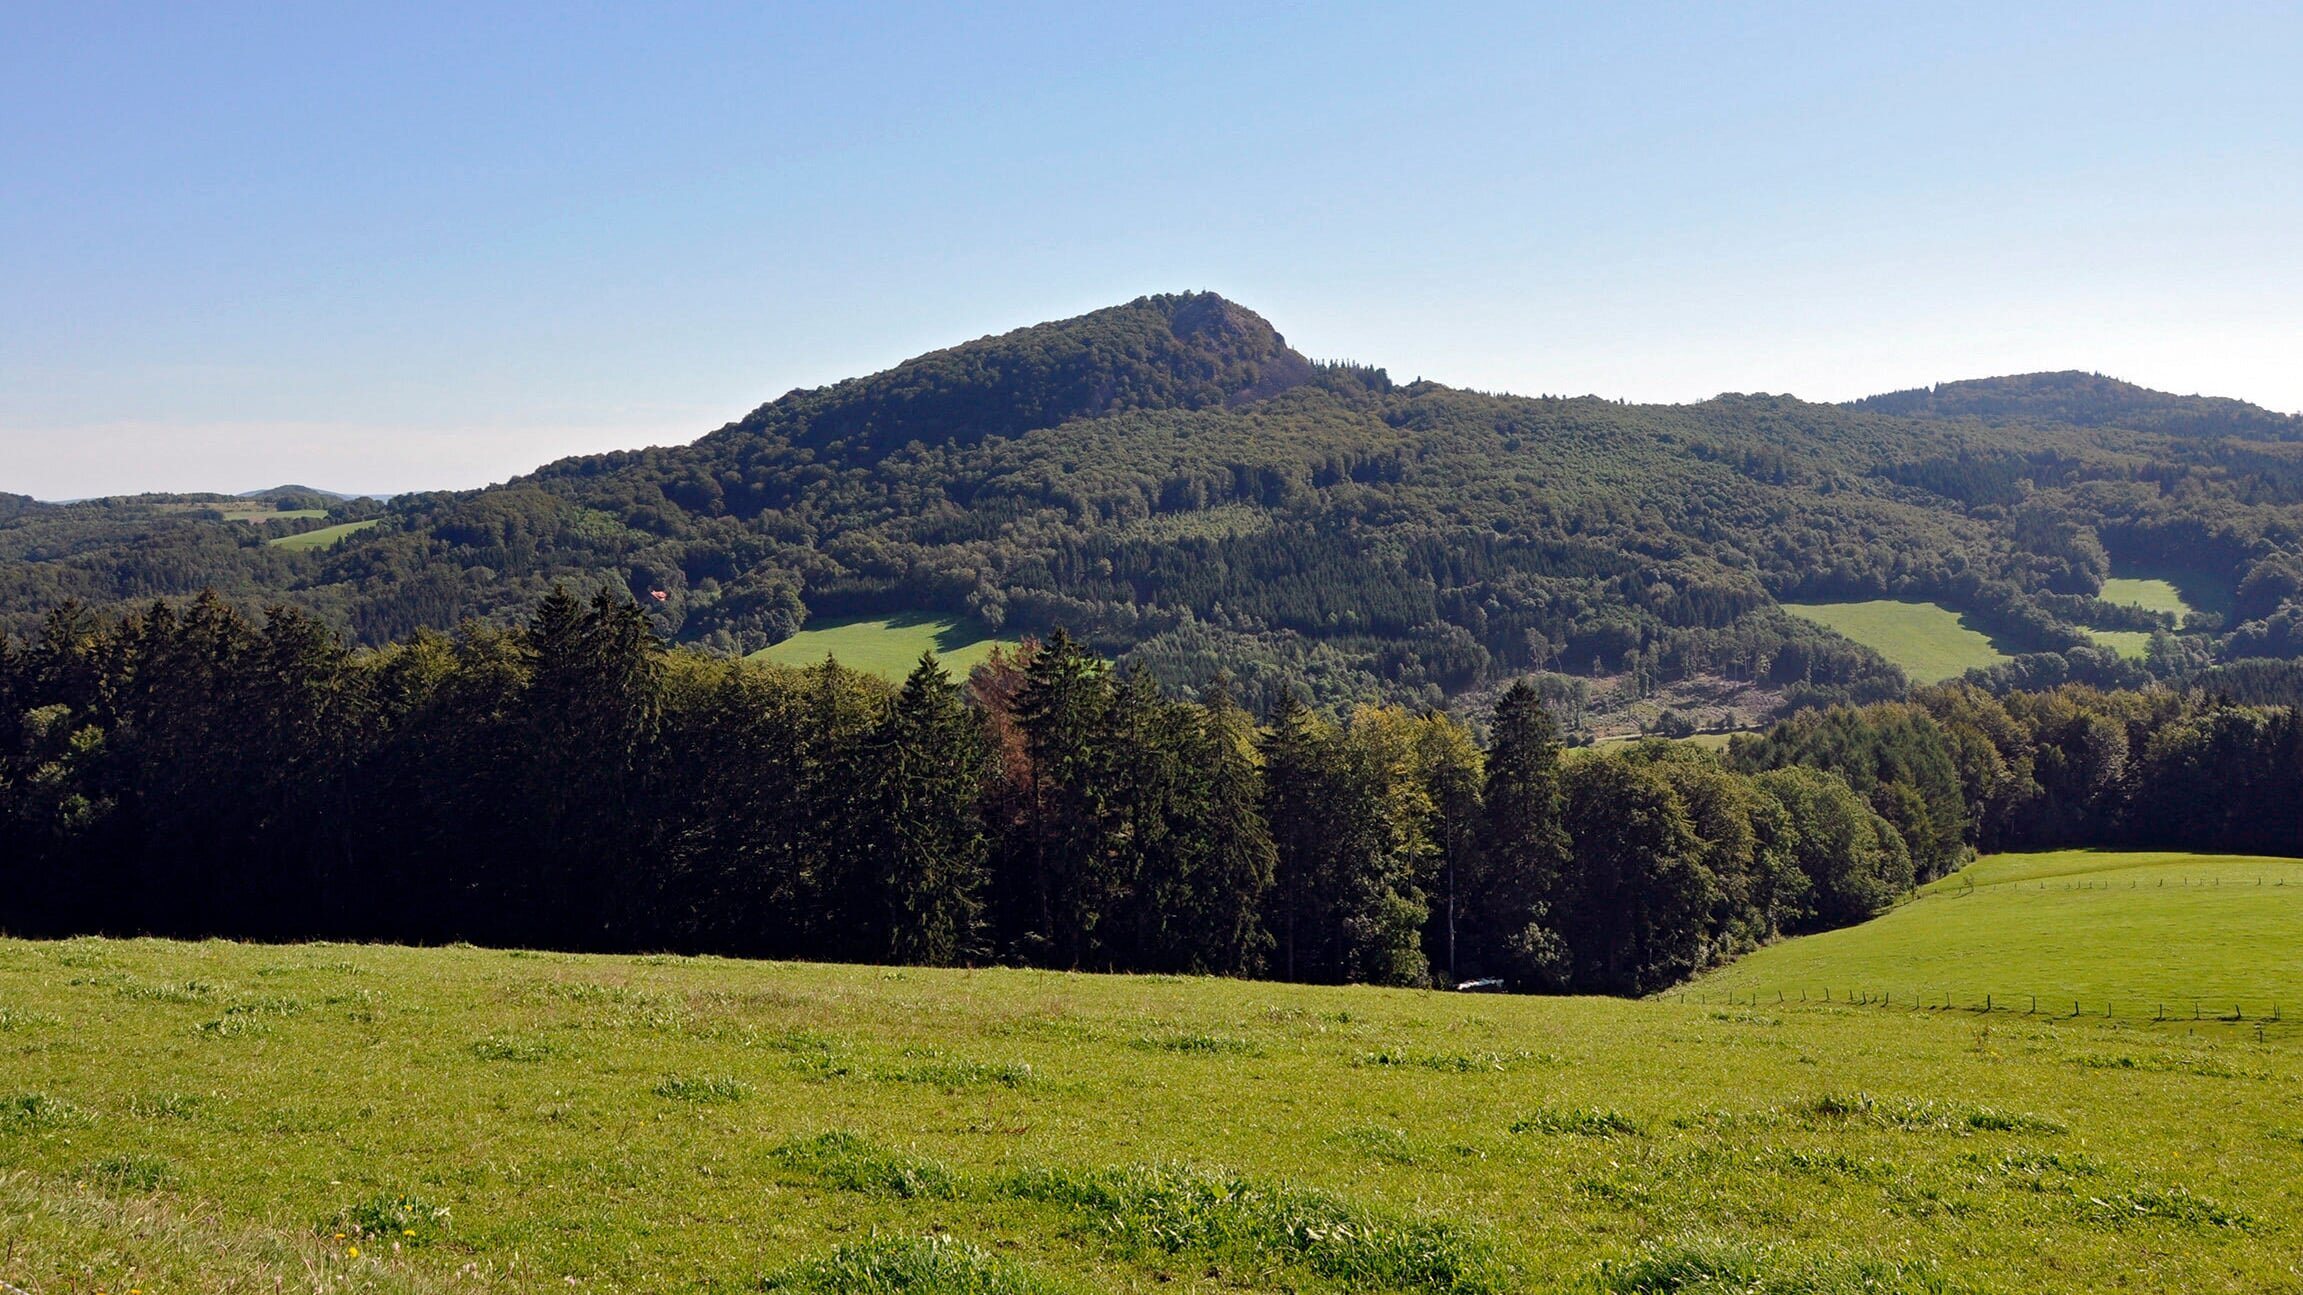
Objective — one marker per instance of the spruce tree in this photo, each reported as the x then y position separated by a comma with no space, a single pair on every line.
930,757
1525,846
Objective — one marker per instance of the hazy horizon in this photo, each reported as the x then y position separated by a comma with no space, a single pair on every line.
242,248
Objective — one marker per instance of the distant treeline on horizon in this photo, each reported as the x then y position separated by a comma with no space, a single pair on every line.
578,784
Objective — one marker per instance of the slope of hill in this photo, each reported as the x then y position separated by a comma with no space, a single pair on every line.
1172,481
2128,935
221,1116
2088,400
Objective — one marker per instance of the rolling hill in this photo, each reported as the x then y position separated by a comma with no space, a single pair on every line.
1172,481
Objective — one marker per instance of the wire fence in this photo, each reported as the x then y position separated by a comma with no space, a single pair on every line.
2264,1017
1972,887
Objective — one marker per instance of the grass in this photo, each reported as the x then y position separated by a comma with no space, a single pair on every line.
2129,932
1929,643
471,1120
320,538
888,646
2150,595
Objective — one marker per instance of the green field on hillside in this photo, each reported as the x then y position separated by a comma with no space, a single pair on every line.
322,537
2150,595
193,1117
2130,933
1927,642
888,646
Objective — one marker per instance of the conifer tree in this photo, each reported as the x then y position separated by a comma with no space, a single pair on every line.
1525,846
930,752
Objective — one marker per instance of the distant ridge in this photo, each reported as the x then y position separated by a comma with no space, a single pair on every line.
2087,400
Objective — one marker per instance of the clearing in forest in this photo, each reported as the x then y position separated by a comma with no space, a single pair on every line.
1928,642
888,646
320,538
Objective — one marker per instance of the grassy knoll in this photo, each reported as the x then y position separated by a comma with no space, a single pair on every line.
1927,642
178,1117
888,646
2131,932
320,538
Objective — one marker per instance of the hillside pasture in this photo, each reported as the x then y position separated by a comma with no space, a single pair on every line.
2133,934
887,646
1928,642
2153,595
2150,595
204,1116
321,538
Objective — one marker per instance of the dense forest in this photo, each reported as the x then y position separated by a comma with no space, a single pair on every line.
576,782
1188,494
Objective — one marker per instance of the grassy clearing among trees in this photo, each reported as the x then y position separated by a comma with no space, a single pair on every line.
174,1114
2150,595
1929,643
320,538
887,646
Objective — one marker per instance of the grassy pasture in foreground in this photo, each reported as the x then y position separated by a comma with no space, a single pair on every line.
1929,643
888,646
177,1117
320,538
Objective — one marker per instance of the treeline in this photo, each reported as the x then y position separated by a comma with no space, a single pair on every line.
577,784
1957,767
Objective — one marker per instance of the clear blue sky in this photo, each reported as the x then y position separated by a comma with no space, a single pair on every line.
403,246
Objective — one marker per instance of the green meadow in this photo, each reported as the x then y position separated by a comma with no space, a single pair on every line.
888,646
320,538
1929,643
2134,934
217,1116
2150,595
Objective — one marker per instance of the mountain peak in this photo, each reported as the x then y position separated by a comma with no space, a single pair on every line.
1190,350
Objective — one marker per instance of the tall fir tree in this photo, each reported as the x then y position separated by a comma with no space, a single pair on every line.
1525,846
930,757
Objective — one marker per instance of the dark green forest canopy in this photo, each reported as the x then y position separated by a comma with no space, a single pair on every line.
1175,484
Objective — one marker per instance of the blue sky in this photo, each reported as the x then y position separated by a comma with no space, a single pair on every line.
397,247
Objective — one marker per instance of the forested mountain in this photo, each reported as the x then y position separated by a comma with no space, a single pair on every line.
1178,487
2088,400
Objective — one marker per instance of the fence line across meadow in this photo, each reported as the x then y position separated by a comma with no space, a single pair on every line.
1974,887
2265,1015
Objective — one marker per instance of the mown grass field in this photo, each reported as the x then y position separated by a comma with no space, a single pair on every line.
1929,643
888,646
2150,595
214,1116
320,538
2128,933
